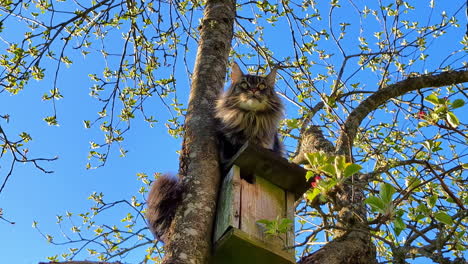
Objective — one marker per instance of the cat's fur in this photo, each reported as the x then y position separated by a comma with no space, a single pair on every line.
249,110
163,198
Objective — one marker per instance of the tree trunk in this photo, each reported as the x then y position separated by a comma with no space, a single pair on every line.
189,238
349,249
353,243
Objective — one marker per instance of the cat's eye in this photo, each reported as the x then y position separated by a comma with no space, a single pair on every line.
261,86
243,85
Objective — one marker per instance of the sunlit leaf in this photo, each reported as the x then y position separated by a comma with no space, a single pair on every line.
386,192
458,103
432,99
452,119
376,204
351,169
329,169
311,194
443,217
399,225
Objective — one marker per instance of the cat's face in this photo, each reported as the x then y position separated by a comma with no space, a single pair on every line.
251,92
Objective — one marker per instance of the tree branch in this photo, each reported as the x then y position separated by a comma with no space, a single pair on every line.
350,127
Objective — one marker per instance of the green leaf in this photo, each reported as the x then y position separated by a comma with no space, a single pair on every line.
452,119
25,136
311,157
51,120
386,193
309,175
311,194
450,200
422,124
398,225
264,221
412,182
458,103
292,123
340,163
422,208
87,123
376,204
331,101
49,238
275,227
352,169
465,165
440,109
432,201
328,169
284,225
443,218
328,184
432,99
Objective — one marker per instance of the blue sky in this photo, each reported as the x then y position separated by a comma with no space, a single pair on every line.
31,195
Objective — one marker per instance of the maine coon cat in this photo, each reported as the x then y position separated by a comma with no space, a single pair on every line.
249,110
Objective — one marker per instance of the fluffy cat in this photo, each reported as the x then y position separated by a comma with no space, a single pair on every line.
249,110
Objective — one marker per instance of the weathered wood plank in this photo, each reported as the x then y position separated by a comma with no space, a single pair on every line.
228,211
262,200
278,170
238,247
290,213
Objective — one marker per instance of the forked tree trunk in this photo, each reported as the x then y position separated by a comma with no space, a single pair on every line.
353,244
190,233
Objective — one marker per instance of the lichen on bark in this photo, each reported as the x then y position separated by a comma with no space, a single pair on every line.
190,233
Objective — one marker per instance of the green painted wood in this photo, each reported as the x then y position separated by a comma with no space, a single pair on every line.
290,213
278,170
238,247
228,211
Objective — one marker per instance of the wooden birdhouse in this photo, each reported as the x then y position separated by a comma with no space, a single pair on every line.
238,236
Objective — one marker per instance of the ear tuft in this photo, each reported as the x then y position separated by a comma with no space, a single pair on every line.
236,73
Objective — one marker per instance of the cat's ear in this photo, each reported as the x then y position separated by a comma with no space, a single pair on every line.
271,77
236,73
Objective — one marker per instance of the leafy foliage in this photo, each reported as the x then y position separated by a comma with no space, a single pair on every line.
336,170
408,157
276,227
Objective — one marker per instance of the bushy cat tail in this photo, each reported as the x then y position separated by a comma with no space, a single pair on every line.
163,200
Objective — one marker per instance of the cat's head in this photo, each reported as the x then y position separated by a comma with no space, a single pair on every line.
252,92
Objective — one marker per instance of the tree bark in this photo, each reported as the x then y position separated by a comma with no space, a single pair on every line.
353,242
345,250
189,238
